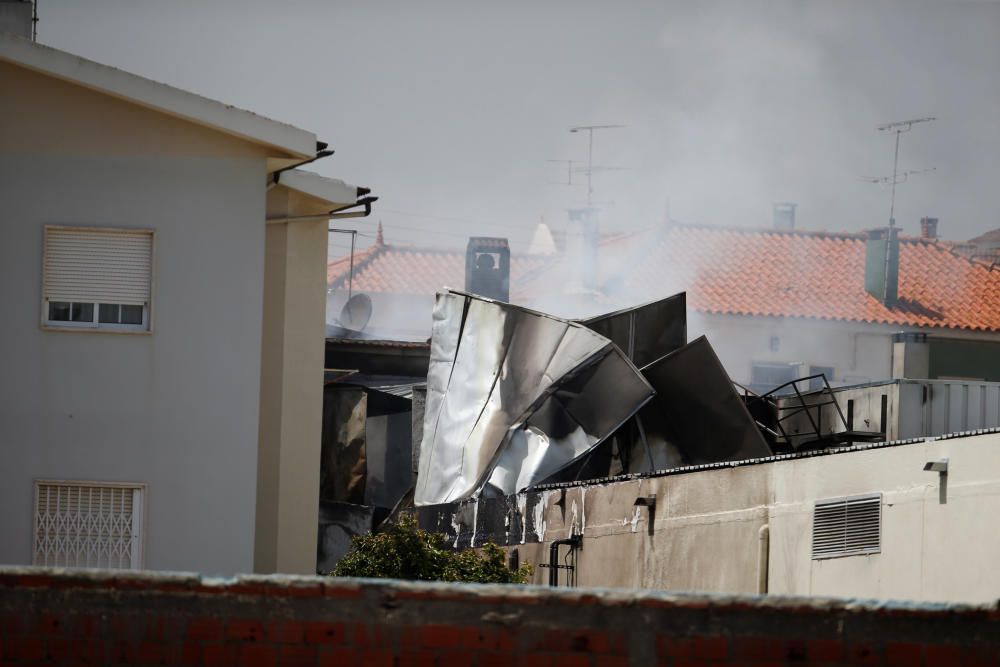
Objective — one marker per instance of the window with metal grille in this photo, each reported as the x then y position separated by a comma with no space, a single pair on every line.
88,524
97,278
847,526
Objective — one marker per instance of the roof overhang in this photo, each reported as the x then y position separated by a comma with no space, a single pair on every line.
332,190
289,141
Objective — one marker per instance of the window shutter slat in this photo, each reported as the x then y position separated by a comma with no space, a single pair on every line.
98,266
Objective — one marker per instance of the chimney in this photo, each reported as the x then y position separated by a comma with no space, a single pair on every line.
928,228
18,17
784,215
910,356
487,267
882,265
582,238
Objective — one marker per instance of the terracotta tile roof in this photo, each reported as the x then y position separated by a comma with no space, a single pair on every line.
815,275
755,272
414,270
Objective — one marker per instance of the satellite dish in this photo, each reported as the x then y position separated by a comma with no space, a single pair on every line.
356,312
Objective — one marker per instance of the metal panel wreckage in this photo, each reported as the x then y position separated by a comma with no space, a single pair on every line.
517,397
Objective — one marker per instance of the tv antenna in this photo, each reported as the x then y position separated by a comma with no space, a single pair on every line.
589,171
899,128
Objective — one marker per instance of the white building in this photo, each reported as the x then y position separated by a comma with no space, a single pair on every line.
163,288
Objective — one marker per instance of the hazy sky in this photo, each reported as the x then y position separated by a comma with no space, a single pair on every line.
451,110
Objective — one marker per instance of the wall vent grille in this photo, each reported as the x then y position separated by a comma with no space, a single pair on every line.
847,526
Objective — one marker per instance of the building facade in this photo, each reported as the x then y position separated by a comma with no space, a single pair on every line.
162,380
909,520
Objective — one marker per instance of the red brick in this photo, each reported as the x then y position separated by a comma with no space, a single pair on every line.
942,654
864,653
571,660
975,656
60,651
218,655
534,660
11,626
339,657
610,661
204,629
824,650
297,656
440,636
457,659
494,659
121,651
50,624
27,649
757,648
286,632
258,655
88,651
673,647
483,638
245,630
322,632
711,648
164,628
376,658
903,655
418,659
150,652
86,625
188,654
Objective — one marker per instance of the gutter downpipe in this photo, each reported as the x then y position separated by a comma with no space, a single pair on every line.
574,542
763,551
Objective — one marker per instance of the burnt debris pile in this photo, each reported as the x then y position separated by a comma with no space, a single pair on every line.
518,398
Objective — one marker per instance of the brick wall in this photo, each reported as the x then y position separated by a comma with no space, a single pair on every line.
73,618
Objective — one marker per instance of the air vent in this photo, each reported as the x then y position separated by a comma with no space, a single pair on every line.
847,526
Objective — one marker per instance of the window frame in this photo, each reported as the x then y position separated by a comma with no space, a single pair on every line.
95,326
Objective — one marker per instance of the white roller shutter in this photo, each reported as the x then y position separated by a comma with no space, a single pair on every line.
98,265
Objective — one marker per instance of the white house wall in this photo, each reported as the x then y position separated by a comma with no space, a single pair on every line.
706,533
177,408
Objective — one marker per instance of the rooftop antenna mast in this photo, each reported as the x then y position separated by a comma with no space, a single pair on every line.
899,127
589,129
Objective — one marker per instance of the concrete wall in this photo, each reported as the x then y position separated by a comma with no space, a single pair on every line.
706,530
177,408
858,352
291,400
71,618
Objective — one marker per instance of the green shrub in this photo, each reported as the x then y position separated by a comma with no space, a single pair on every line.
407,552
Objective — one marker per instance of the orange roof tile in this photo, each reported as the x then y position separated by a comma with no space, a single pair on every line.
792,273
414,270
755,272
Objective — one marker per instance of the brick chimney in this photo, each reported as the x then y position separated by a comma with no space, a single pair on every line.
882,265
928,228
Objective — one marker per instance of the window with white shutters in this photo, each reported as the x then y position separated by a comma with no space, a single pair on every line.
847,526
97,278
88,524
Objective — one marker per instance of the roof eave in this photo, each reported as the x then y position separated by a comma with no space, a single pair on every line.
157,96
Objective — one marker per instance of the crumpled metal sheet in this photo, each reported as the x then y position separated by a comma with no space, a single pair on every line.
696,411
514,395
647,332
